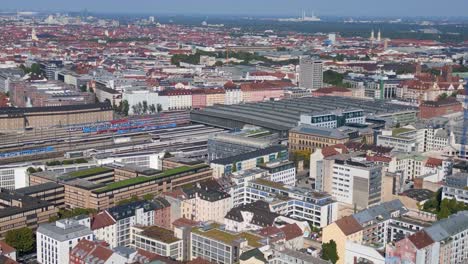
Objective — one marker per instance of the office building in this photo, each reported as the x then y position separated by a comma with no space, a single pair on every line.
308,138
279,116
352,180
333,119
310,73
300,203
249,160
37,117
157,240
56,240
19,210
104,187
223,145
456,187
281,171
211,242
14,176
51,93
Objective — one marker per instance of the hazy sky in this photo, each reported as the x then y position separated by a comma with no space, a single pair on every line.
259,7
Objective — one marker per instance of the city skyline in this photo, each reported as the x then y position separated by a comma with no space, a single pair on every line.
417,8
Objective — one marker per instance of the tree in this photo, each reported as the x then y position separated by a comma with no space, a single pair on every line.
159,108
134,198
35,68
443,96
145,107
329,251
234,167
22,239
443,213
83,88
152,109
31,170
218,63
333,78
125,107
148,197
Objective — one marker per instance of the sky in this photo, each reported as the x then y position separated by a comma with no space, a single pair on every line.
403,8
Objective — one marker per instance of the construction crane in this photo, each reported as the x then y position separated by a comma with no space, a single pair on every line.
465,123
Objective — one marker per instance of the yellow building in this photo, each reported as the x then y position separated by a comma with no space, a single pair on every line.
215,96
308,138
340,231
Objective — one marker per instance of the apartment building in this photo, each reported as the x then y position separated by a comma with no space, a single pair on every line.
157,240
409,139
250,217
203,202
14,176
179,99
113,225
373,227
56,240
443,242
414,165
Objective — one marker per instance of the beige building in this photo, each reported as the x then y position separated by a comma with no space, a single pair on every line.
21,118
126,183
18,210
344,229
201,203
308,138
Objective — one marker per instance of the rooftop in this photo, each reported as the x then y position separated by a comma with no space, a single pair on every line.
158,233
142,179
320,131
250,155
212,231
64,230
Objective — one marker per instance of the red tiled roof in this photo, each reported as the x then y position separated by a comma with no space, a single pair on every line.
421,239
6,260
269,231
348,225
102,220
327,90
91,249
184,222
292,231
433,162
378,158
199,260
5,248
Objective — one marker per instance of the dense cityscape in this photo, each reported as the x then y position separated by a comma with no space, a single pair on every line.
177,139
